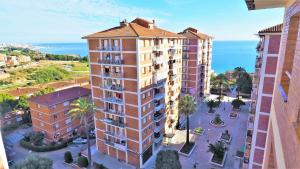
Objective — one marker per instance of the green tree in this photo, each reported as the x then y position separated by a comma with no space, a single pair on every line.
34,162
167,159
222,84
82,108
23,103
238,72
68,157
245,83
218,149
7,103
44,91
236,103
211,104
187,106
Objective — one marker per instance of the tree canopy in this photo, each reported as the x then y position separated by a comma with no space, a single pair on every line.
34,162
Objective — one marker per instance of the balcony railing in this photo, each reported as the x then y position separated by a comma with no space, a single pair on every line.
113,112
159,84
113,87
115,134
157,129
113,100
173,77
158,60
158,139
109,48
158,107
158,116
117,145
114,122
113,75
157,48
111,61
159,96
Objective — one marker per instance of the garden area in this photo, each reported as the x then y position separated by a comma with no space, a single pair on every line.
217,121
35,141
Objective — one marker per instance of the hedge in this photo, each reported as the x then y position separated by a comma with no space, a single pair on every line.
82,161
43,148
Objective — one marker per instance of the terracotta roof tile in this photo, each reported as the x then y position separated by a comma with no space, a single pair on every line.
137,28
60,96
274,29
195,33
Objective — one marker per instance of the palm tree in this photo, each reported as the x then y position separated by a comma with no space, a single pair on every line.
82,108
187,106
222,83
237,73
218,149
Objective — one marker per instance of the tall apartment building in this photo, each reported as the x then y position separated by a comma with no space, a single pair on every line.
49,113
196,63
282,149
262,92
136,83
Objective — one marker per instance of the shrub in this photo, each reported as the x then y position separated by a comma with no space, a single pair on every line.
82,161
42,148
236,103
34,162
167,159
217,119
68,157
99,166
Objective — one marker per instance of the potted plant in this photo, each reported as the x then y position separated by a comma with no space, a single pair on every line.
217,121
219,153
226,137
237,103
211,104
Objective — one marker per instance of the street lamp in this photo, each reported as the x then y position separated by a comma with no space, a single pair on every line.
208,131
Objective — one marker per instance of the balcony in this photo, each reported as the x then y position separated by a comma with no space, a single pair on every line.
158,139
159,84
159,75
115,134
113,100
117,88
113,122
109,48
173,77
158,107
118,145
157,129
111,61
158,60
112,112
113,74
158,116
172,105
158,48
159,96
173,98
174,87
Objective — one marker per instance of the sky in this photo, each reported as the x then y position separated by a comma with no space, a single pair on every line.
50,21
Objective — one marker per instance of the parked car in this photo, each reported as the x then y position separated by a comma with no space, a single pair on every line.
80,141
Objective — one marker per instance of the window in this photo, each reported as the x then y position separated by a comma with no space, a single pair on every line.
143,70
142,57
150,67
149,105
144,108
117,69
57,125
69,129
144,120
55,116
42,124
66,103
144,96
149,117
149,93
39,106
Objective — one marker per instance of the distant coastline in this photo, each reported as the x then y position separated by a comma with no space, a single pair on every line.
226,54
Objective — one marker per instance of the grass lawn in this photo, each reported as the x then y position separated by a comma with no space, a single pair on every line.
187,148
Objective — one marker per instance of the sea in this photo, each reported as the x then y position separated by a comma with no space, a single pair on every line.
226,55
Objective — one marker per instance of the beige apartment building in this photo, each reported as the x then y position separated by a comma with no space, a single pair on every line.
136,82
282,147
196,62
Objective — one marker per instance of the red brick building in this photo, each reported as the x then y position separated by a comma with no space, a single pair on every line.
282,147
262,93
49,112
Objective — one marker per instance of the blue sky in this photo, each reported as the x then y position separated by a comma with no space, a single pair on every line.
34,21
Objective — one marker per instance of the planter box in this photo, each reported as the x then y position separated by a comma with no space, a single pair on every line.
224,140
237,115
199,134
220,125
217,164
191,151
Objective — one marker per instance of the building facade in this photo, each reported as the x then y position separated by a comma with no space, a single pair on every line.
282,149
196,63
49,113
262,93
136,82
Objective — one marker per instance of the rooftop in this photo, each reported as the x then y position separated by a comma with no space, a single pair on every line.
195,33
263,4
274,29
137,28
60,96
